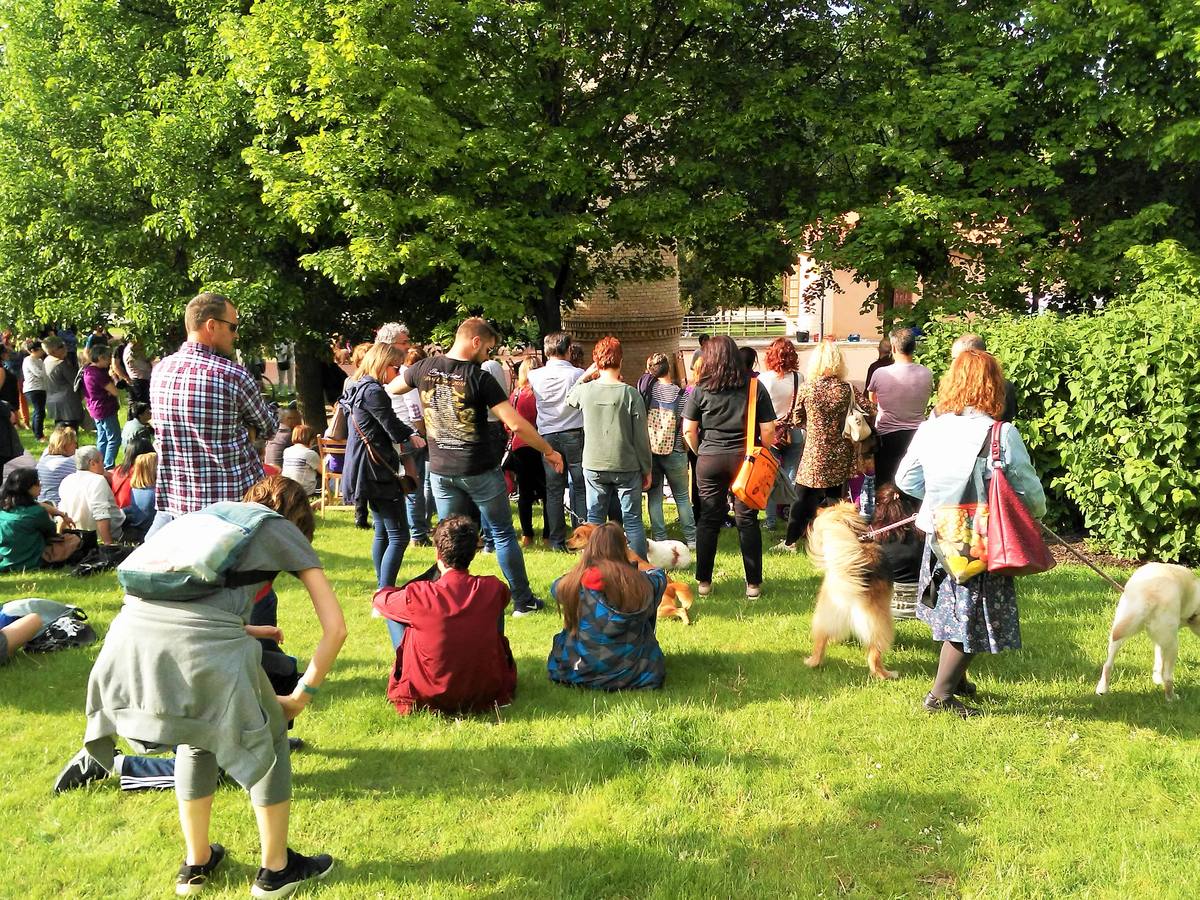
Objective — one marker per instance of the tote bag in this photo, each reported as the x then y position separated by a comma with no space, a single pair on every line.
759,469
1014,538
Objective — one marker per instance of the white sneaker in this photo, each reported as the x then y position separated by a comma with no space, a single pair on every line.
784,547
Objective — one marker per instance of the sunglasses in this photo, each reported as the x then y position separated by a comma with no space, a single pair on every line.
233,326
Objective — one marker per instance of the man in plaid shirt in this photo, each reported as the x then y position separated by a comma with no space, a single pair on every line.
203,404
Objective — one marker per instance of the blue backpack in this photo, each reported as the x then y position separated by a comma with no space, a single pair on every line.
195,554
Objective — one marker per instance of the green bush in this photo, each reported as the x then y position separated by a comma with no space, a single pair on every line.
1109,405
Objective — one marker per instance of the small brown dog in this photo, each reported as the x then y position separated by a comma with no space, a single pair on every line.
677,598
856,594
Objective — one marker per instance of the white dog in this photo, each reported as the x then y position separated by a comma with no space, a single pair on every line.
1162,599
667,555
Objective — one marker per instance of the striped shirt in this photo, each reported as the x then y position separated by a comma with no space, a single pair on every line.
203,405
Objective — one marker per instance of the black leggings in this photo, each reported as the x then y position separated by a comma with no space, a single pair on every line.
952,669
526,465
892,448
804,510
714,474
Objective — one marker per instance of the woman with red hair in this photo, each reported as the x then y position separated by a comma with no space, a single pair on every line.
616,451
945,457
782,379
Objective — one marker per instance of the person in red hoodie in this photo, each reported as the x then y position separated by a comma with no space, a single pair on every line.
452,656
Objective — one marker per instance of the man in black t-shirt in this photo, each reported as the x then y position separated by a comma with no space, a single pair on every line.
464,465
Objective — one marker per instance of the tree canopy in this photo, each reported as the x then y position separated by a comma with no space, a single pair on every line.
328,164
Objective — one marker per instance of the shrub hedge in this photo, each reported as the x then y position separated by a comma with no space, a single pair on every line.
1109,405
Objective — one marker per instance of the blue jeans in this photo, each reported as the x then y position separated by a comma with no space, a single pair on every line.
789,462
674,468
108,439
570,445
391,539
37,412
418,511
488,490
627,486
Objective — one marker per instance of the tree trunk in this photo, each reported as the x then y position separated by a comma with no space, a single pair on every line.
886,295
309,390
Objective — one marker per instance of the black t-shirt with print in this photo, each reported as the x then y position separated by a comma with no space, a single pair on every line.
457,396
722,417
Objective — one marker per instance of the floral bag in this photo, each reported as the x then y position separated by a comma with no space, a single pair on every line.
960,529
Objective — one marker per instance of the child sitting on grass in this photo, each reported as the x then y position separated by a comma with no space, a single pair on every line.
451,654
609,609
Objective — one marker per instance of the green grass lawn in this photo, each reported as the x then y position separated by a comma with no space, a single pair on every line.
748,775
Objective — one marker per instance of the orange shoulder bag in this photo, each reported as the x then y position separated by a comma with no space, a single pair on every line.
756,477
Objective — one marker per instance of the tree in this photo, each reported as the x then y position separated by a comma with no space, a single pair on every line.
997,151
511,148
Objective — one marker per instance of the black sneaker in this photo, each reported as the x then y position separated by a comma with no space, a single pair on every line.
299,868
534,605
951,705
81,770
191,879
295,744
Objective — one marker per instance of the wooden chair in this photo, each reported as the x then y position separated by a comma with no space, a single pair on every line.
331,482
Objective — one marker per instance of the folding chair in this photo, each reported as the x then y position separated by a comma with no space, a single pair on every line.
331,482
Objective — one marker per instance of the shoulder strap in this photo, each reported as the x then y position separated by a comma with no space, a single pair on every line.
996,431
750,410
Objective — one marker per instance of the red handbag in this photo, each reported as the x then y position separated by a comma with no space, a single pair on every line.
1014,537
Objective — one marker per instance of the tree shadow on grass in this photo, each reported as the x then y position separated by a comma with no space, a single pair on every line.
878,843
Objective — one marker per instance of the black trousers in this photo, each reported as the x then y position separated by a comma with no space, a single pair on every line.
526,465
804,510
892,448
714,474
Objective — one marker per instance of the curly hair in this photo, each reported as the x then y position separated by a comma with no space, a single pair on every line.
456,539
607,353
781,357
974,379
826,360
721,367
287,498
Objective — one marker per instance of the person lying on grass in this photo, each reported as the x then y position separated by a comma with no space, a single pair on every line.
609,610
452,655
187,675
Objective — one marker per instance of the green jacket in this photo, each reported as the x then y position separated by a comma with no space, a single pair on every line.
23,535
614,427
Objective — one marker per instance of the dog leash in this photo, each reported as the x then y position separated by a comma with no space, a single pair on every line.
870,535
1083,559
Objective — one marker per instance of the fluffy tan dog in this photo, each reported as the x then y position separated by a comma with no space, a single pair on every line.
1162,599
677,598
855,595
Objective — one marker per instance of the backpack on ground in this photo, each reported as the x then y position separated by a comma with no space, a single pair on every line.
68,631
195,554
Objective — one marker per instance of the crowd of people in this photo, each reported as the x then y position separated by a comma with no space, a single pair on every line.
462,434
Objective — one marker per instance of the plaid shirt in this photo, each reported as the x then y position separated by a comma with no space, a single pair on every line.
202,405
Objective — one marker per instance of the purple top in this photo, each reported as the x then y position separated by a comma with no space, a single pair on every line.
100,403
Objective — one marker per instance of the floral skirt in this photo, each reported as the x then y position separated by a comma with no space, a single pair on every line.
981,614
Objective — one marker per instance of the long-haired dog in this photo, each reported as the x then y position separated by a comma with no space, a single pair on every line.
677,598
855,594
665,555
1162,599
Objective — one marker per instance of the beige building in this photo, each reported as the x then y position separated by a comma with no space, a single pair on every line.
836,310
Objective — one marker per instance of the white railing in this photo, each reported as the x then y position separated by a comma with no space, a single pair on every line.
740,322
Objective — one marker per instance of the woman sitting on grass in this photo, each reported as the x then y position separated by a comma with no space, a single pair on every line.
57,462
27,533
609,609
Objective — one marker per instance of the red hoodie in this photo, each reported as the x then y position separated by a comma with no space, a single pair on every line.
453,657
